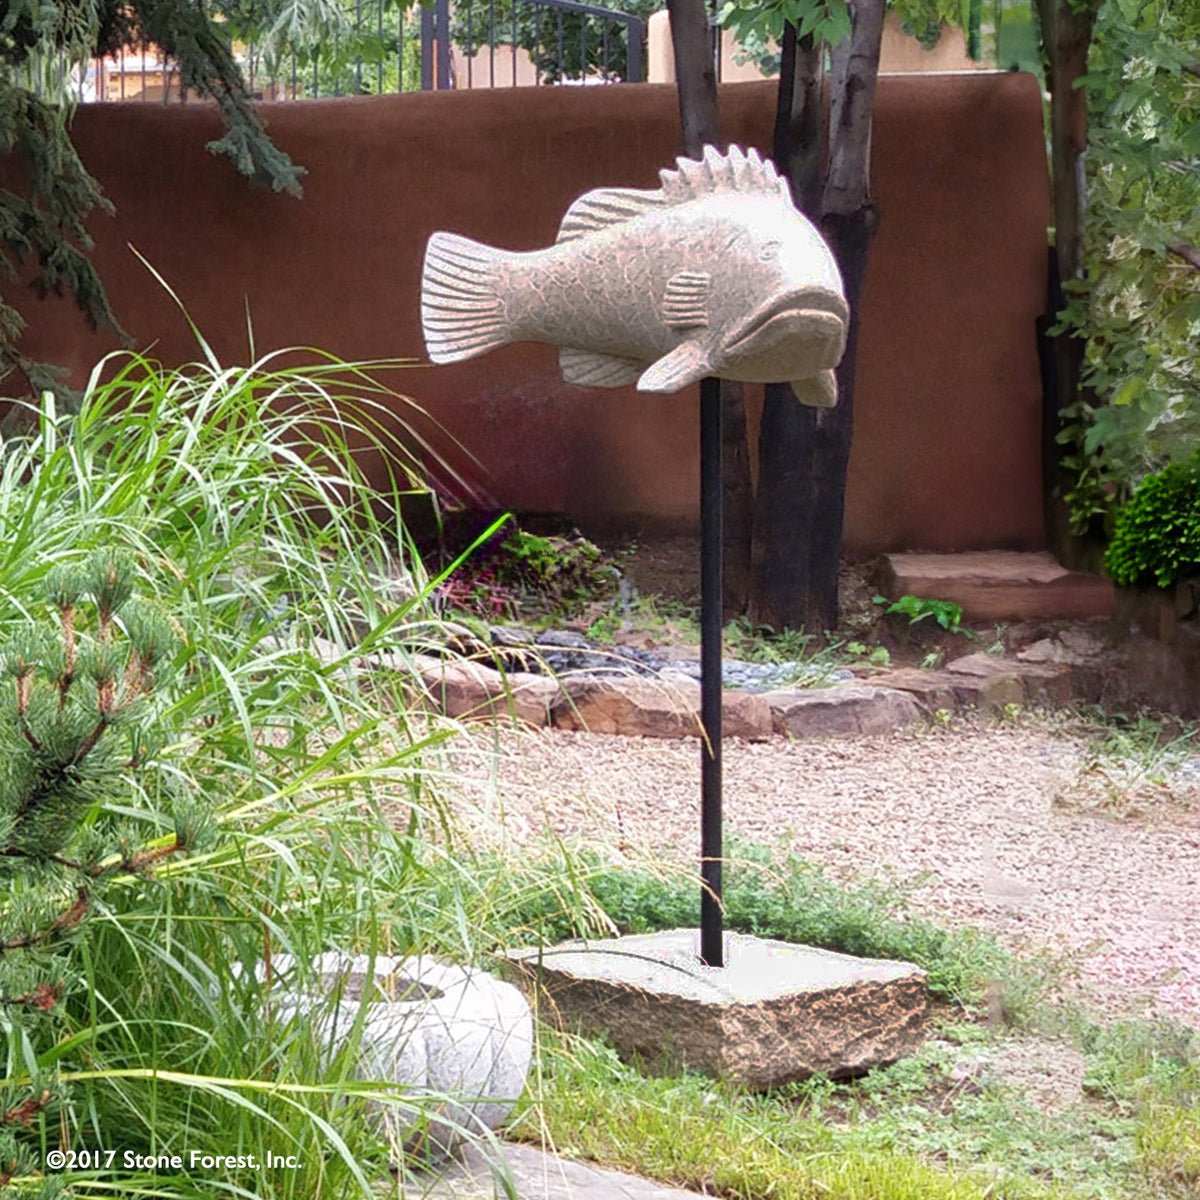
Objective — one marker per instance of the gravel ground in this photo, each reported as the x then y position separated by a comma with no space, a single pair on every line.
1008,829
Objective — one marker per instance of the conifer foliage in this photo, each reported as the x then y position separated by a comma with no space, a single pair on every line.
81,693
47,194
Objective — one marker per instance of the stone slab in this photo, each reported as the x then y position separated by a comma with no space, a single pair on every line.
535,1175
649,708
851,710
999,585
773,1013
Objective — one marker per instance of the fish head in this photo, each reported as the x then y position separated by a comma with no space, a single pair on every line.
794,334
792,317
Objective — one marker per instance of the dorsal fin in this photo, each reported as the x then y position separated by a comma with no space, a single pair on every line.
603,207
734,171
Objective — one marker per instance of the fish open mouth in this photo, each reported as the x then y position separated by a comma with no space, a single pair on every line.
820,313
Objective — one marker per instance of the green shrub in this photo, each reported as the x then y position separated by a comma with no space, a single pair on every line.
1157,534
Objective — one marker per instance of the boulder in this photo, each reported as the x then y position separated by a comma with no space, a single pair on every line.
452,1034
472,690
652,708
775,1012
932,690
985,682
844,711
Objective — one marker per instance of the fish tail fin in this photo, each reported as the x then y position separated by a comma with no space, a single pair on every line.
462,314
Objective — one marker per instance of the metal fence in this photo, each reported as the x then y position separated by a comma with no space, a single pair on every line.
380,47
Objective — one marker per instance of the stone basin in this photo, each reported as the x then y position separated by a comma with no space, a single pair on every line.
454,1039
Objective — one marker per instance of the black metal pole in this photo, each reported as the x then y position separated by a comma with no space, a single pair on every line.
711,948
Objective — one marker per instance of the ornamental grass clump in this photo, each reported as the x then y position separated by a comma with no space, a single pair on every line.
199,780
1156,537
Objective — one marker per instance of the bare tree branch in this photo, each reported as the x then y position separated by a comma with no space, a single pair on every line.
1189,253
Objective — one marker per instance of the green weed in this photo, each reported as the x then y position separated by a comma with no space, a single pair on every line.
944,613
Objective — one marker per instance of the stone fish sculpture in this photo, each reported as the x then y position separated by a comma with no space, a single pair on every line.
715,274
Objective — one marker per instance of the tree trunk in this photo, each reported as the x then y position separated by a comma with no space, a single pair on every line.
695,75
800,130
782,529
696,86
804,452
1066,38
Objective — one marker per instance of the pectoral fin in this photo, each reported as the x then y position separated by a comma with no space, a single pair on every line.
685,303
817,391
685,364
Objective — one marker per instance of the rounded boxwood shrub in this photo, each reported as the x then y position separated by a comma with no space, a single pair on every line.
1157,534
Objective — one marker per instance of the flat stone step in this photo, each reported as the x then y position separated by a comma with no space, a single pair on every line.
999,585
538,1176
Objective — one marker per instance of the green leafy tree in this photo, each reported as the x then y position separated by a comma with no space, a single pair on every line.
1134,311
329,47
561,44
1126,205
45,44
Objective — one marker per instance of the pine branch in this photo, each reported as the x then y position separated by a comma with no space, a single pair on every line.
63,923
129,864
89,743
43,997
26,1112
139,862
27,230
57,859
185,33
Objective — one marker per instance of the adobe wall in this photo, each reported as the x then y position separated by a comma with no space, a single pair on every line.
946,453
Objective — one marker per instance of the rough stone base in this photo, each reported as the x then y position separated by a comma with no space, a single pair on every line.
774,1013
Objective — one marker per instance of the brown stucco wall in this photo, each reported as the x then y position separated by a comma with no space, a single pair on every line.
946,452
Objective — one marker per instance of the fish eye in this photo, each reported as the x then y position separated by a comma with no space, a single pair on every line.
770,250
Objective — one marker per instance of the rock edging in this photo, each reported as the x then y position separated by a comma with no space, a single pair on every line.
1052,671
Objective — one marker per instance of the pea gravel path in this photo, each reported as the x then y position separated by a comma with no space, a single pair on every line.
1013,834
